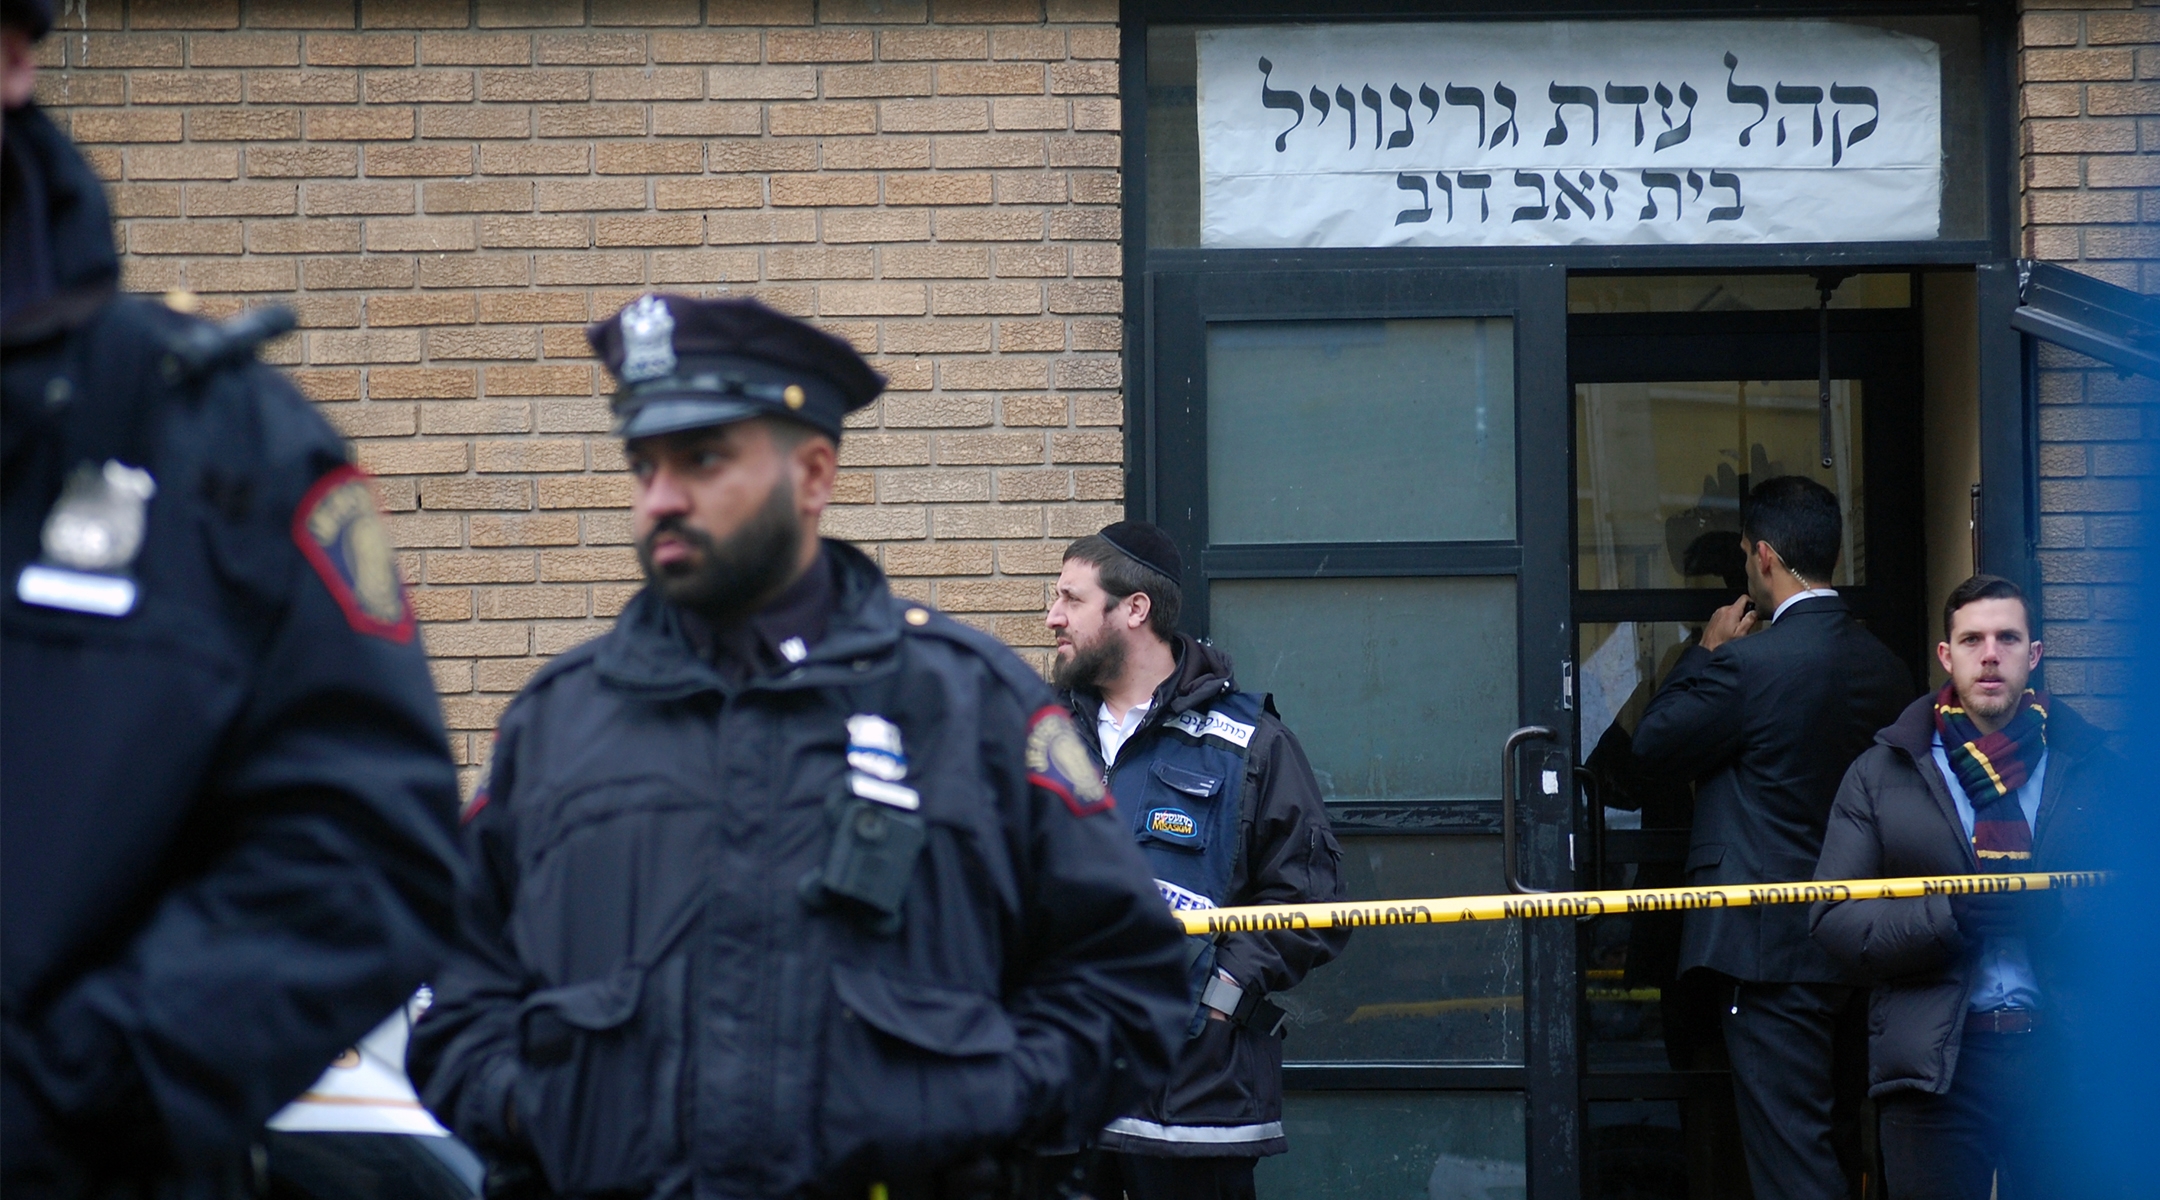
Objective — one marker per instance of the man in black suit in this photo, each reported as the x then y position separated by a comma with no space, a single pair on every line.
1765,715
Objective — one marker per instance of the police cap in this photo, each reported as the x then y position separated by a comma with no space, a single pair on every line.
682,363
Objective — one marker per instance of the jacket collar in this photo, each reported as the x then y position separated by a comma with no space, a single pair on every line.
650,651
2071,740
1811,606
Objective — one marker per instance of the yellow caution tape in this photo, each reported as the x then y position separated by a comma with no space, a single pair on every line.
1446,910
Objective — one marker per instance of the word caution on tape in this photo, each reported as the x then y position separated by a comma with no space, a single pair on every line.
1446,910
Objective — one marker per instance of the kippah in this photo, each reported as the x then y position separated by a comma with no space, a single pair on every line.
1147,545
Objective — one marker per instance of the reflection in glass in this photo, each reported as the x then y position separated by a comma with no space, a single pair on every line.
1361,431
1428,993
1661,469
1637,1151
1400,689
1398,1146
1730,293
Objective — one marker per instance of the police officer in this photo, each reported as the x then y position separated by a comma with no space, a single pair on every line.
1218,795
785,886
226,804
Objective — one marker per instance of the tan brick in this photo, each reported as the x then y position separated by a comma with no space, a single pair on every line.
934,44
184,87
302,87
534,158
471,417
2081,137
58,90
1032,187
1084,79
819,45
588,268
491,342
524,85
417,87
761,83
759,155
253,49
2091,65
979,12
885,450
763,228
145,200
1061,11
1003,150
875,153
420,234
469,566
234,124
470,640
183,162
526,14
687,229
872,12
534,529
823,191
881,225
736,192
591,195
980,299
314,235
1097,335
1019,336
125,125
938,412
934,487
416,383
869,523
304,162
413,458
361,124
107,163
819,262
523,456
183,14
243,275
649,83
937,337
2119,100
358,273
990,79
854,487
888,79
938,559
934,262
991,595
1093,43
448,159
590,565
822,119
707,120
415,14
933,116
517,308
183,237
705,46
1098,113
871,299
1087,447
1084,150
1083,224
1030,558
366,347
1020,412
2081,208
413,531
585,491
1001,521
1030,112
649,158
589,48
420,309
342,199
362,50
2122,29
475,50
300,14
1038,44
556,380
2126,171
111,51
704,266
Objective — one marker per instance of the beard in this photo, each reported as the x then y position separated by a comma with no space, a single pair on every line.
1992,707
728,579
1092,666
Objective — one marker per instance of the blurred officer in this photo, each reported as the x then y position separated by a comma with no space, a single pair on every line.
1765,715
1218,795
1984,775
226,804
786,886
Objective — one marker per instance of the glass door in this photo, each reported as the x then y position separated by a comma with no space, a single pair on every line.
1370,468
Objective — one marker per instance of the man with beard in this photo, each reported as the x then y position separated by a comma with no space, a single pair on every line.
1218,795
785,887
1972,996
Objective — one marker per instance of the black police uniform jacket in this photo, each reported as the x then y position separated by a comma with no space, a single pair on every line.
647,987
227,840
1220,797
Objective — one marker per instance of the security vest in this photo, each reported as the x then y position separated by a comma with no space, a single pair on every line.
1180,780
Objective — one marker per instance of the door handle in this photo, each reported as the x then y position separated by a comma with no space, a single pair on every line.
1508,847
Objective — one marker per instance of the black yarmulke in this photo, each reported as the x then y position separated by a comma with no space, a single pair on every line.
1147,545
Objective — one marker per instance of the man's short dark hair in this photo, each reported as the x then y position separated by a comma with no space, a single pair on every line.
1988,587
1121,577
1799,518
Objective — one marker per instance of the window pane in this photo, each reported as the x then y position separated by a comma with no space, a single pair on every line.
1400,689
1312,423
1429,993
1661,469
1398,1146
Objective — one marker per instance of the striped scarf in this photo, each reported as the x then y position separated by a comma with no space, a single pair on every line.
1991,768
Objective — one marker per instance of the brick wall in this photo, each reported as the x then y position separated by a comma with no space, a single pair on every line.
448,192
2090,109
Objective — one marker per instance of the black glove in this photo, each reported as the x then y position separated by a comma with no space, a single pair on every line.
2005,914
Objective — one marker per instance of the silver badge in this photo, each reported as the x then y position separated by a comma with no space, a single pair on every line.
91,536
97,524
648,332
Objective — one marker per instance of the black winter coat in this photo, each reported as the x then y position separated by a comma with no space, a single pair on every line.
1231,1075
644,984
226,817
1895,818
1766,726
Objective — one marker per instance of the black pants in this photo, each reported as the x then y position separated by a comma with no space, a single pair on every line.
1135,1177
1949,1147
1799,1068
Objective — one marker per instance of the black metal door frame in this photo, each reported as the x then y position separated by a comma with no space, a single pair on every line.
1180,307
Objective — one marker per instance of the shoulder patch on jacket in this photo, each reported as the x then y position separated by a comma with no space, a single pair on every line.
342,534
1058,760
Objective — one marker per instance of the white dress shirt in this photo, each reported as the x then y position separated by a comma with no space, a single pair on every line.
1797,597
1112,732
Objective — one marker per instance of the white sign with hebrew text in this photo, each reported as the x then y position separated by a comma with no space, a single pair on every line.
1568,133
